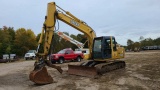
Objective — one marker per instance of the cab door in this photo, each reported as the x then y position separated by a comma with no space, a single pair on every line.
97,49
102,48
106,48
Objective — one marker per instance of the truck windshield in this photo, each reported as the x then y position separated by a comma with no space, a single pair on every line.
61,52
31,51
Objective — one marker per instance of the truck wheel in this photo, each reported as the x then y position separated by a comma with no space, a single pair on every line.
61,60
78,59
26,58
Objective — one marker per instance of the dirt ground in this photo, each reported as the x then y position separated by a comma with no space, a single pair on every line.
142,72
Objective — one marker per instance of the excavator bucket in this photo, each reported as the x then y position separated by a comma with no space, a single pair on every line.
82,71
40,76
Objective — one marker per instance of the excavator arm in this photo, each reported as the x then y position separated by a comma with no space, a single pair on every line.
40,75
54,14
74,22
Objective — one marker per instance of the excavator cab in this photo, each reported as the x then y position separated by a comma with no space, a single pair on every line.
102,48
102,54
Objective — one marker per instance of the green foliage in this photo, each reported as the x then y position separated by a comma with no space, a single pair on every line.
142,43
21,40
83,39
24,40
130,44
6,40
157,41
41,45
76,38
8,50
147,42
58,43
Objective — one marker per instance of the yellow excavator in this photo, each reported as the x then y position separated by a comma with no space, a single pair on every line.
104,51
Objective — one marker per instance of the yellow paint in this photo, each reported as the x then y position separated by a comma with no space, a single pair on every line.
74,22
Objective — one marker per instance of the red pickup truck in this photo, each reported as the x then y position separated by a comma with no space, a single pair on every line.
66,55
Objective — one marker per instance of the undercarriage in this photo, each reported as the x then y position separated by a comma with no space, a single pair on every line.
94,68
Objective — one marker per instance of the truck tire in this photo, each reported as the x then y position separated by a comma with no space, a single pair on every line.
61,60
78,59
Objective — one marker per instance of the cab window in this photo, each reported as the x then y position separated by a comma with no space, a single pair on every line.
114,44
68,52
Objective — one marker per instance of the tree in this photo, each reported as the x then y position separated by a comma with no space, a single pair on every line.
24,40
41,45
83,39
157,41
136,46
6,40
130,44
74,37
147,42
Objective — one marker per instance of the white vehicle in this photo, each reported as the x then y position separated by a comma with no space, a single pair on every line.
85,52
31,54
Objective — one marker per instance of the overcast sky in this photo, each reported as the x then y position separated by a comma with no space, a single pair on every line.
124,19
